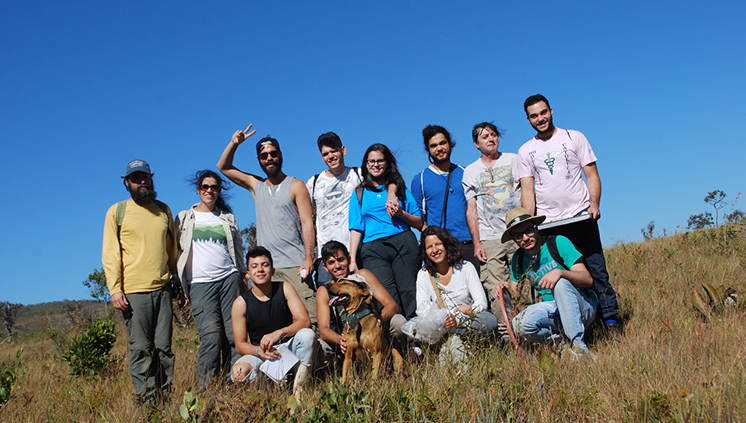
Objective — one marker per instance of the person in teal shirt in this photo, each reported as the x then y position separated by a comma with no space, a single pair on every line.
555,269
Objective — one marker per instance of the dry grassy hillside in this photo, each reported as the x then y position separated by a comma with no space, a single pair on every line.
671,365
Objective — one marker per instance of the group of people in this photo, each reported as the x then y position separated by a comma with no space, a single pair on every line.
480,242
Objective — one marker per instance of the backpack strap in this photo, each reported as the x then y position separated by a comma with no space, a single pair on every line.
552,247
422,187
313,189
122,207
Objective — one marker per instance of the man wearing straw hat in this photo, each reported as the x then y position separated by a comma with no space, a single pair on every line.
555,269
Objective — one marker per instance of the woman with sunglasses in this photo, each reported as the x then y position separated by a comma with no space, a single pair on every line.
389,248
212,272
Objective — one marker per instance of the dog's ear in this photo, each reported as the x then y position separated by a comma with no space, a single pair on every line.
366,296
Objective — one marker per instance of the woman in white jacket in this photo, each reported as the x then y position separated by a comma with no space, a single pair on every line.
450,282
212,270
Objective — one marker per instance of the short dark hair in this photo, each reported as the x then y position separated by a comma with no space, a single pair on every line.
536,98
259,251
329,139
432,130
477,129
207,173
451,245
330,248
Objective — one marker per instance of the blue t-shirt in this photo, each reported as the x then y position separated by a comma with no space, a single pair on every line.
535,267
372,219
434,190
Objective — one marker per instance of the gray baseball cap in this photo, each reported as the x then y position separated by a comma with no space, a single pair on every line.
136,166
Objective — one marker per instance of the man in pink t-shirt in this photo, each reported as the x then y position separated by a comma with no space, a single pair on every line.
551,168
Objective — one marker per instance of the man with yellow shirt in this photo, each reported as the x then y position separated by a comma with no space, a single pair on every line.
139,257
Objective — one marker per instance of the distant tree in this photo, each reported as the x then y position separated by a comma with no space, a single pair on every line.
699,221
249,237
735,217
8,312
647,232
96,282
717,200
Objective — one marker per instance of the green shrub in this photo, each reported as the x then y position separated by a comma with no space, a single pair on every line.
8,377
88,353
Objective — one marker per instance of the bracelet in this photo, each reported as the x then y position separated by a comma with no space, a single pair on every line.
353,261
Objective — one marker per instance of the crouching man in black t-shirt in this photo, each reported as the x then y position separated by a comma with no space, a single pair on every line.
267,315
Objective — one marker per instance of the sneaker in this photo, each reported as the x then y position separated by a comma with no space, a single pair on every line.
614,329
577,353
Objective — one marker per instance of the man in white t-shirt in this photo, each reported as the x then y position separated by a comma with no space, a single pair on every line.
552,165
330,196
492,188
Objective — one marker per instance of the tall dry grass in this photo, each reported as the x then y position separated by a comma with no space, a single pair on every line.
670,365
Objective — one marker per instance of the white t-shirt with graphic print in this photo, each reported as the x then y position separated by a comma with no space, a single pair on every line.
332,201
497,190
209,260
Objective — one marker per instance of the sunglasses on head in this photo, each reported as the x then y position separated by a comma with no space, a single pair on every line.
274,153
205,187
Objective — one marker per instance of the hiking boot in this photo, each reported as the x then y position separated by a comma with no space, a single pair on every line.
614,328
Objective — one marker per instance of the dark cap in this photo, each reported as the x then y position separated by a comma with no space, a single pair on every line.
136,166
266,141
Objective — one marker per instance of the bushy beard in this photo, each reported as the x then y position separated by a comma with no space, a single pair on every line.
272,172
143,197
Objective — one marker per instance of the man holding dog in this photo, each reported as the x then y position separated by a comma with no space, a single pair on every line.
284,221
330,196
440,193
552,165
555,269
491,186
139,257
269,314
336,260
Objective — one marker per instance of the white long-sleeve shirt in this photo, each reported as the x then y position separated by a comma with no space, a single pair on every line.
464,288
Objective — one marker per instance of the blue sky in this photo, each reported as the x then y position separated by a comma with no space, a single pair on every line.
87,86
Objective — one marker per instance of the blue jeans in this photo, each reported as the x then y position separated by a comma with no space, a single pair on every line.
570,313
586,237
211,307
303,345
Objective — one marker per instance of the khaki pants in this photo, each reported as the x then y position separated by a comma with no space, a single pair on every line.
495,270
306,294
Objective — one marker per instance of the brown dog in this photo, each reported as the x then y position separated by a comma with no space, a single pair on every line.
361,328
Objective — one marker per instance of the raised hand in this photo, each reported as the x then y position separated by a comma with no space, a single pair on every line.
241,136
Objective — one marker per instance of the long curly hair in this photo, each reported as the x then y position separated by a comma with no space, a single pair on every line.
454,255
391,175
207,173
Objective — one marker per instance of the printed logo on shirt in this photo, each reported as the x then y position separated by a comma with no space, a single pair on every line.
548,160
497,191
214,234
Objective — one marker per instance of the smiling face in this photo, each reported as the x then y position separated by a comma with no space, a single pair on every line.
435,250
260,270
338,265
539,115
376,164
333,157
209,192
270,160
439,149
487,141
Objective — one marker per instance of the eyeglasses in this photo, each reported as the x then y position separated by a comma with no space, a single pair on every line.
372,162
205,187
519,236
138,177
274,154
